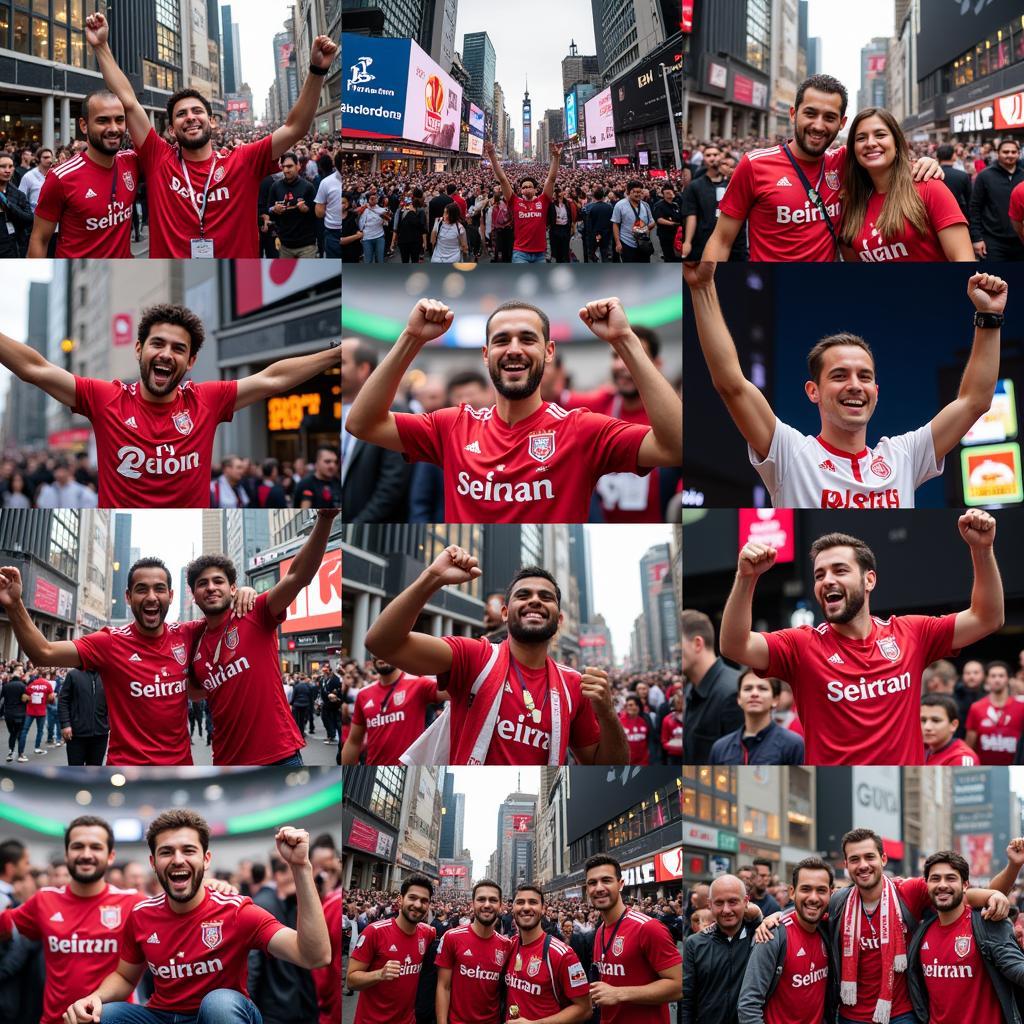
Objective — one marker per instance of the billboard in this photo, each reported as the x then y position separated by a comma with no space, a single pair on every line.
318,606
433,102
773,526
992,474
453,871
522,822
598,797
571,125
476,129
638,98
949,29
600,121
373,85
258,283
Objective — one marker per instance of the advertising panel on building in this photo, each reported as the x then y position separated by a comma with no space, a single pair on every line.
318,606
476,129
571,126
433,102
638,97
599,120
948,29
374,83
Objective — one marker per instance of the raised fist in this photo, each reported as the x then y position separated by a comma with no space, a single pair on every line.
976,527
607,319
292,845
699,275
756,559
10,585
323,52
455,565
429,320
987,292
97,31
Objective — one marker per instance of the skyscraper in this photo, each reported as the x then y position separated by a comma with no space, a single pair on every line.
660,616
232,75
480,60
441,31
627,30
527,123
516,840
122,561
577,67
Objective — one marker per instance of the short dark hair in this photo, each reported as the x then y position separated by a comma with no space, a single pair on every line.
823,83
104,93
775,684
289,156
816,357
953,859
519,304
181,817
41,150
944,152
148,563
7,156
11,851
601,860
859,835
529,887
177,316
464,377
812,864
630,185
647,335
324,448
527,571
526,178
1008,141
942,700
997,664
268,466
486,883
693,623
364,354
419,880
764,862
187,94
861,552
258,872
199,565
87,820
450,190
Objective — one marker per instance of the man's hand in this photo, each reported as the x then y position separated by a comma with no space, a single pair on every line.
67,733
454,565
328,513
980,250
607,320
1015,853
216,885
698,275
555,149
293,845
428,320
245,601
489,151
84,1011
987,292
97,31
302,207
279,208
976,527
603,994
756,559
927,167
596,687
10,586
997,908
390,971
323,52
766,929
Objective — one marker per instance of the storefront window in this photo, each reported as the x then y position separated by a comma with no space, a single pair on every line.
20,41
60,45
689,801
60,10
704,807
722,815
41,38
5,24
41,7
77,50
77,15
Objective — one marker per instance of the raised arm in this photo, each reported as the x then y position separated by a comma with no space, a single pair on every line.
986,613
308,944
499,171
300,117
722,239
737,640
370,418
28,365
747,406
305,564
55,653
612,747
1007,878
284,374
97,32
978,384
555,149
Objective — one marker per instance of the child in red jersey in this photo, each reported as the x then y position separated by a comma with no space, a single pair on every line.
940,718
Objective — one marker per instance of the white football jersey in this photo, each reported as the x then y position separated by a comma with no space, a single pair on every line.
806,472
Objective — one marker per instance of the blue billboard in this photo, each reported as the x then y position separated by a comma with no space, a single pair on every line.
571,128
374,84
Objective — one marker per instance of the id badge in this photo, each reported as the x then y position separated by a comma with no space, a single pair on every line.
202,248
10,228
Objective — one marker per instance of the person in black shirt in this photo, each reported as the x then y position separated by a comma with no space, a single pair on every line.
992,233
15,212
14,712
291,208
330,692
268,237
411,230
597,229
351,250
700,208
668,215
958,182
82,708
711,708
322,488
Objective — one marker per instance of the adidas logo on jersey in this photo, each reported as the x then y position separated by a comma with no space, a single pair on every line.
134,657
829,465
153,940
393,949
834,659
130,422
783,182
801,952
474,447
90,194
58,917
466,952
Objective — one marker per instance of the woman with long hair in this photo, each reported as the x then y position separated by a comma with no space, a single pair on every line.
886,214
448,237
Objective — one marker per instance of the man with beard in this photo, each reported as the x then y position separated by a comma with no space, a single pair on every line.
544,979
154,436
202,202
836,468
235,663
787,980
385,963
524,459
196,942
90,197
856,679
469,962
509,703
961,967
995,723
638,967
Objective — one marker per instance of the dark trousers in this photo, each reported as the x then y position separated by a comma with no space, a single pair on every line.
268,245
329,716
560,243
302,715
999,251
87,749
411,251
632,255
503,245
14,724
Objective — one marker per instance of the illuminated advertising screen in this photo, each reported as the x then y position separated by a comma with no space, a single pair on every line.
476,129
522,822
317,606
772,526
433,102
373,85
638,97
999,423
571,127
599,121
991,474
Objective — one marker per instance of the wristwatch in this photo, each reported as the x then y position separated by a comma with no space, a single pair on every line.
988,319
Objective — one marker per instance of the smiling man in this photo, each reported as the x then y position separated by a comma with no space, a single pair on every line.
837,469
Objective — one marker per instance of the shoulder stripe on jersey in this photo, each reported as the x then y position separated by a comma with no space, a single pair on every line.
72,165
60,889
383,923
559,947
223,897
478,414
635,915
127,892
756,154
557,411
155,901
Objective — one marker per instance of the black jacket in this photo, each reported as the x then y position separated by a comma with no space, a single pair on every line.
713,969
1003,959
282,991
700,199
15,211
294,228
82,704
990,205
965,697
711,712
10,695
959,183
597,219
374,484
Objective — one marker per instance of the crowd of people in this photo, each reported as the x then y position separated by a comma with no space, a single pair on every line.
878,198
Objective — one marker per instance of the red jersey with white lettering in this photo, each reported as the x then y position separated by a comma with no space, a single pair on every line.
517,738
80,936
391,1002
153,454
476,966
634,952
93,206
785,226
189,955
1017,202
394,716
955,754
636,729
542,470
909,245
327,979
860,700
998,729
799,996
672,734
624,497
238,666
540,986
529,223
955,976
38,691
801,471
145,682
234,183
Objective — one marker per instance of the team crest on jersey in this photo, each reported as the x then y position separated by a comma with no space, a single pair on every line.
617,946
110,917
962,946
180,655
399,697
832,180
218,175
231,638
533,967
129,181
889,648
880,468
182,422
542,446
211,933
422,944
499,957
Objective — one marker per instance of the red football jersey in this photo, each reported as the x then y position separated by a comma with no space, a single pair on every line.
391,1002
636,730
1017,202
943,211
234,183
145,681
328,979
191,954
955,976
244,689
542,470
785,226
799,996
517,738
151,454
38,692
529,223
859,700
93,206
633,952
530,983
476,966
672,734
955,754
394,716
998,729
80,938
